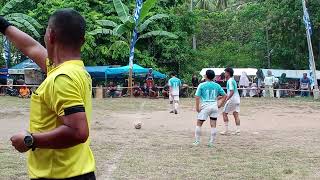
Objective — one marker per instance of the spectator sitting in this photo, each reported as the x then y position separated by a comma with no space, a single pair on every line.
165,91
283,84
112,90
136,90
144,90
124,90
154,92
195,81
184,90
254,90
24,92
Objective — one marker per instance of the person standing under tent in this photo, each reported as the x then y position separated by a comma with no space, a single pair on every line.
269,82
150,78
305,85
244,83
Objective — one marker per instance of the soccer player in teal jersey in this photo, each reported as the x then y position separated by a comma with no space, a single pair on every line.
174,92
207,94
232,102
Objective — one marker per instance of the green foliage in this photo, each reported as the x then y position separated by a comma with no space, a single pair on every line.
8,7
122,10
119,48
21,20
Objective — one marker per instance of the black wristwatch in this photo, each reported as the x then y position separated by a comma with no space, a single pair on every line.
29,141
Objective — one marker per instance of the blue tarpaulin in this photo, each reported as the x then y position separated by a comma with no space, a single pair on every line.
19,68
3,73
28,63
106,72
125,70
137,71
97,72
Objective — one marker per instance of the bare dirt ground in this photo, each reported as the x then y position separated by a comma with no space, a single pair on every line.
280,139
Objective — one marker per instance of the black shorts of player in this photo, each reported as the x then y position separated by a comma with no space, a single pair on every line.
89,176
211,118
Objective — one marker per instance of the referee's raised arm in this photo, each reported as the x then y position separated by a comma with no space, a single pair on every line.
25,43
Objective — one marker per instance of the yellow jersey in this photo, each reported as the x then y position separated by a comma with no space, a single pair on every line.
67,85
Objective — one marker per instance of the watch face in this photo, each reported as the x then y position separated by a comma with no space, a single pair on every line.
28,141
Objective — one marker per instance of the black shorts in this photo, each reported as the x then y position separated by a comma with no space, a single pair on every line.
211,118
88,176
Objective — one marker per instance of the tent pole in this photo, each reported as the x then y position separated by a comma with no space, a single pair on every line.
130,83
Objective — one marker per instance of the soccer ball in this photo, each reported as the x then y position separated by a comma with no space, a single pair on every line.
137,124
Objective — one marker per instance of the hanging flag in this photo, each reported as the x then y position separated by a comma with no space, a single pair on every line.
135,32
7,52
307,22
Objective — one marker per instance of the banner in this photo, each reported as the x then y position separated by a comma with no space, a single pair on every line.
135,32
7,52
307,22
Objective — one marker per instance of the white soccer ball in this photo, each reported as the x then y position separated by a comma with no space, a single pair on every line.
137,124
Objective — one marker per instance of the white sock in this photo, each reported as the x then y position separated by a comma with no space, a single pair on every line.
238,128
226,124
176,106
197,133
213,135
172,106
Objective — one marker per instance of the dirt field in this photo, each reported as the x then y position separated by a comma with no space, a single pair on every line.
280,139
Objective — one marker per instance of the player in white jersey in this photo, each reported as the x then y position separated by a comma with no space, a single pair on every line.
174,92
207,94
232,104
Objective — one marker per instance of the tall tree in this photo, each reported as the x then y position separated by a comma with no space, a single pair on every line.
122,27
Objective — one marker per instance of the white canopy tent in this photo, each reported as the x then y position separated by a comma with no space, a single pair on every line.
237,71
292,74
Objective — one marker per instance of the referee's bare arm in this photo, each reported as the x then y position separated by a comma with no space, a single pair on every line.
25,43
74,131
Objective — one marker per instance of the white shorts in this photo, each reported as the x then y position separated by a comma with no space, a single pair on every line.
173,98
231,106
208,110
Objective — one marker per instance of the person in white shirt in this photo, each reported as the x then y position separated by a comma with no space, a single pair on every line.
268,84
254,90
244,83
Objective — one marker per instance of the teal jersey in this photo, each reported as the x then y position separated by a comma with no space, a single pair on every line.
209,91
175,84
232,86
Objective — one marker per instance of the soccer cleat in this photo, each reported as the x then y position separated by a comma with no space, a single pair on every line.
237,133
225,133
175,112
172,112
210,145
196,143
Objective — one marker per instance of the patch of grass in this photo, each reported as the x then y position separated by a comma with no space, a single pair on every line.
161,153
12,164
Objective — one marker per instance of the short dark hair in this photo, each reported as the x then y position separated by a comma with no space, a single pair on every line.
173,74
230,71
210,74
69,27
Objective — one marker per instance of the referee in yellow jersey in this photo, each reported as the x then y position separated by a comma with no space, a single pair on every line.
57,141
